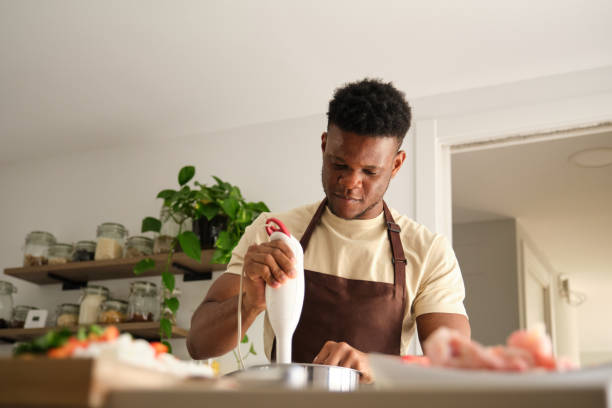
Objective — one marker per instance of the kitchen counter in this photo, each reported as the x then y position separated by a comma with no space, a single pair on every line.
189,396
108,384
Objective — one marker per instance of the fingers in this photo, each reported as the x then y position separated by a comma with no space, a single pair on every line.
272,262
343,355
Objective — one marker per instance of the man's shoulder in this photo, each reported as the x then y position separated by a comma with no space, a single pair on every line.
413,233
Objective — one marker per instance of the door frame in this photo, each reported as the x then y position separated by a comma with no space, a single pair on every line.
435,139
438,136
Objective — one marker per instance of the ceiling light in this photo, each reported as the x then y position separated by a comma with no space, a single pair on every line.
597,157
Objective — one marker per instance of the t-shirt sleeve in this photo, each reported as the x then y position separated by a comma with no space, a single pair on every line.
441,289
253,234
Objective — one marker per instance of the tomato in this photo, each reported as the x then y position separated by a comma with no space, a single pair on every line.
159,348
110,333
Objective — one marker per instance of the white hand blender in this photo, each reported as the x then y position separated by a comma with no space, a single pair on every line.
284,303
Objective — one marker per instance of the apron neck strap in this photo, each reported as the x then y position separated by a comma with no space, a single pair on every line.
313,223
397,250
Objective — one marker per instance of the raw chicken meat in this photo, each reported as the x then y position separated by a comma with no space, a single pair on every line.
526,350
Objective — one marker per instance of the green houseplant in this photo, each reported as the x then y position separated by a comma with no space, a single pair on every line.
224,199
186,203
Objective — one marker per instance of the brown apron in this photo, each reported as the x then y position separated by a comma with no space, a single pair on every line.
366,315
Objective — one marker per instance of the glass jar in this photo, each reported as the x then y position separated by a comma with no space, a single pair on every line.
113,311
6,303
36,249
20,313
67,315
169,230
138,246
84,251
143,302
111,240
92,298
60,254
165,312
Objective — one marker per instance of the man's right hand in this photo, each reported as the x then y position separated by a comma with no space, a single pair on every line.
269,263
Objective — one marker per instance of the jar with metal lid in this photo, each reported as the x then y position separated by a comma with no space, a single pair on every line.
84,251
143,303
110,241
6,303
20,313
36,249
165,311
169,230
67,315
138,246
60,254
92,298
113,311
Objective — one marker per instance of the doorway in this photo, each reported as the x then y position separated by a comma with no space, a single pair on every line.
556,221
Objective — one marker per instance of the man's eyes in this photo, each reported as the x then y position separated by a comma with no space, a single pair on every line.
339,166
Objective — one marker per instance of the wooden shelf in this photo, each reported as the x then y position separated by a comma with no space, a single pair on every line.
144,330
83,272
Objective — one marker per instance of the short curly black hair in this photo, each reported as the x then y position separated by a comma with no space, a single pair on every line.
370,107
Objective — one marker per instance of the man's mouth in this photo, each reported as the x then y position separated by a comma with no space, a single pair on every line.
345,198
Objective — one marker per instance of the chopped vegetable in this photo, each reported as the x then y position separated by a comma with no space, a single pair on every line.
159,348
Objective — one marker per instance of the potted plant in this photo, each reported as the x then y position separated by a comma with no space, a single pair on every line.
225,216
219,200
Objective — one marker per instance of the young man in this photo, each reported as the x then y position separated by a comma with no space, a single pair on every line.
370,273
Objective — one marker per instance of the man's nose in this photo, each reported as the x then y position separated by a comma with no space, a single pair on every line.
350,180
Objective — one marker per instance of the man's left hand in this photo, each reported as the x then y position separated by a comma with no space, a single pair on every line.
343,355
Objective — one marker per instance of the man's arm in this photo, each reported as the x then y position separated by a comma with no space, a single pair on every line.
429,322
214,324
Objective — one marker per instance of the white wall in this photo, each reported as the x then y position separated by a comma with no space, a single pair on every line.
486,252
489,253
278,163
564,317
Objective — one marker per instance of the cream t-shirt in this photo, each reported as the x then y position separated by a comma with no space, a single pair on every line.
360,249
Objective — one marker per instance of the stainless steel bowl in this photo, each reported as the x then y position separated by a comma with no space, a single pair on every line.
299,376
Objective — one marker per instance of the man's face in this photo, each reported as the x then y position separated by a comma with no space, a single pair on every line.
356,171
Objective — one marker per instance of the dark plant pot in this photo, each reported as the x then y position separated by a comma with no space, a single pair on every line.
208,231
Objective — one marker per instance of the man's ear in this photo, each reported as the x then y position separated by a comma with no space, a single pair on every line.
397,162
323,141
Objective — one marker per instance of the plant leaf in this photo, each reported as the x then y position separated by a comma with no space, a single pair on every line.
252,350
82,333
218,257
210,210
167,345
259,206
172,303
166,194
186,174
224,241
235,193
191,245
230,206
242,216
168,280
143,266
245,339
151,224
165,327
221,183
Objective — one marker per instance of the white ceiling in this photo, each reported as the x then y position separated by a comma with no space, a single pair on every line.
565,209
79,75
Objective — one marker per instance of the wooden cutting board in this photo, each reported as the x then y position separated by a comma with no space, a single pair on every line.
77,382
